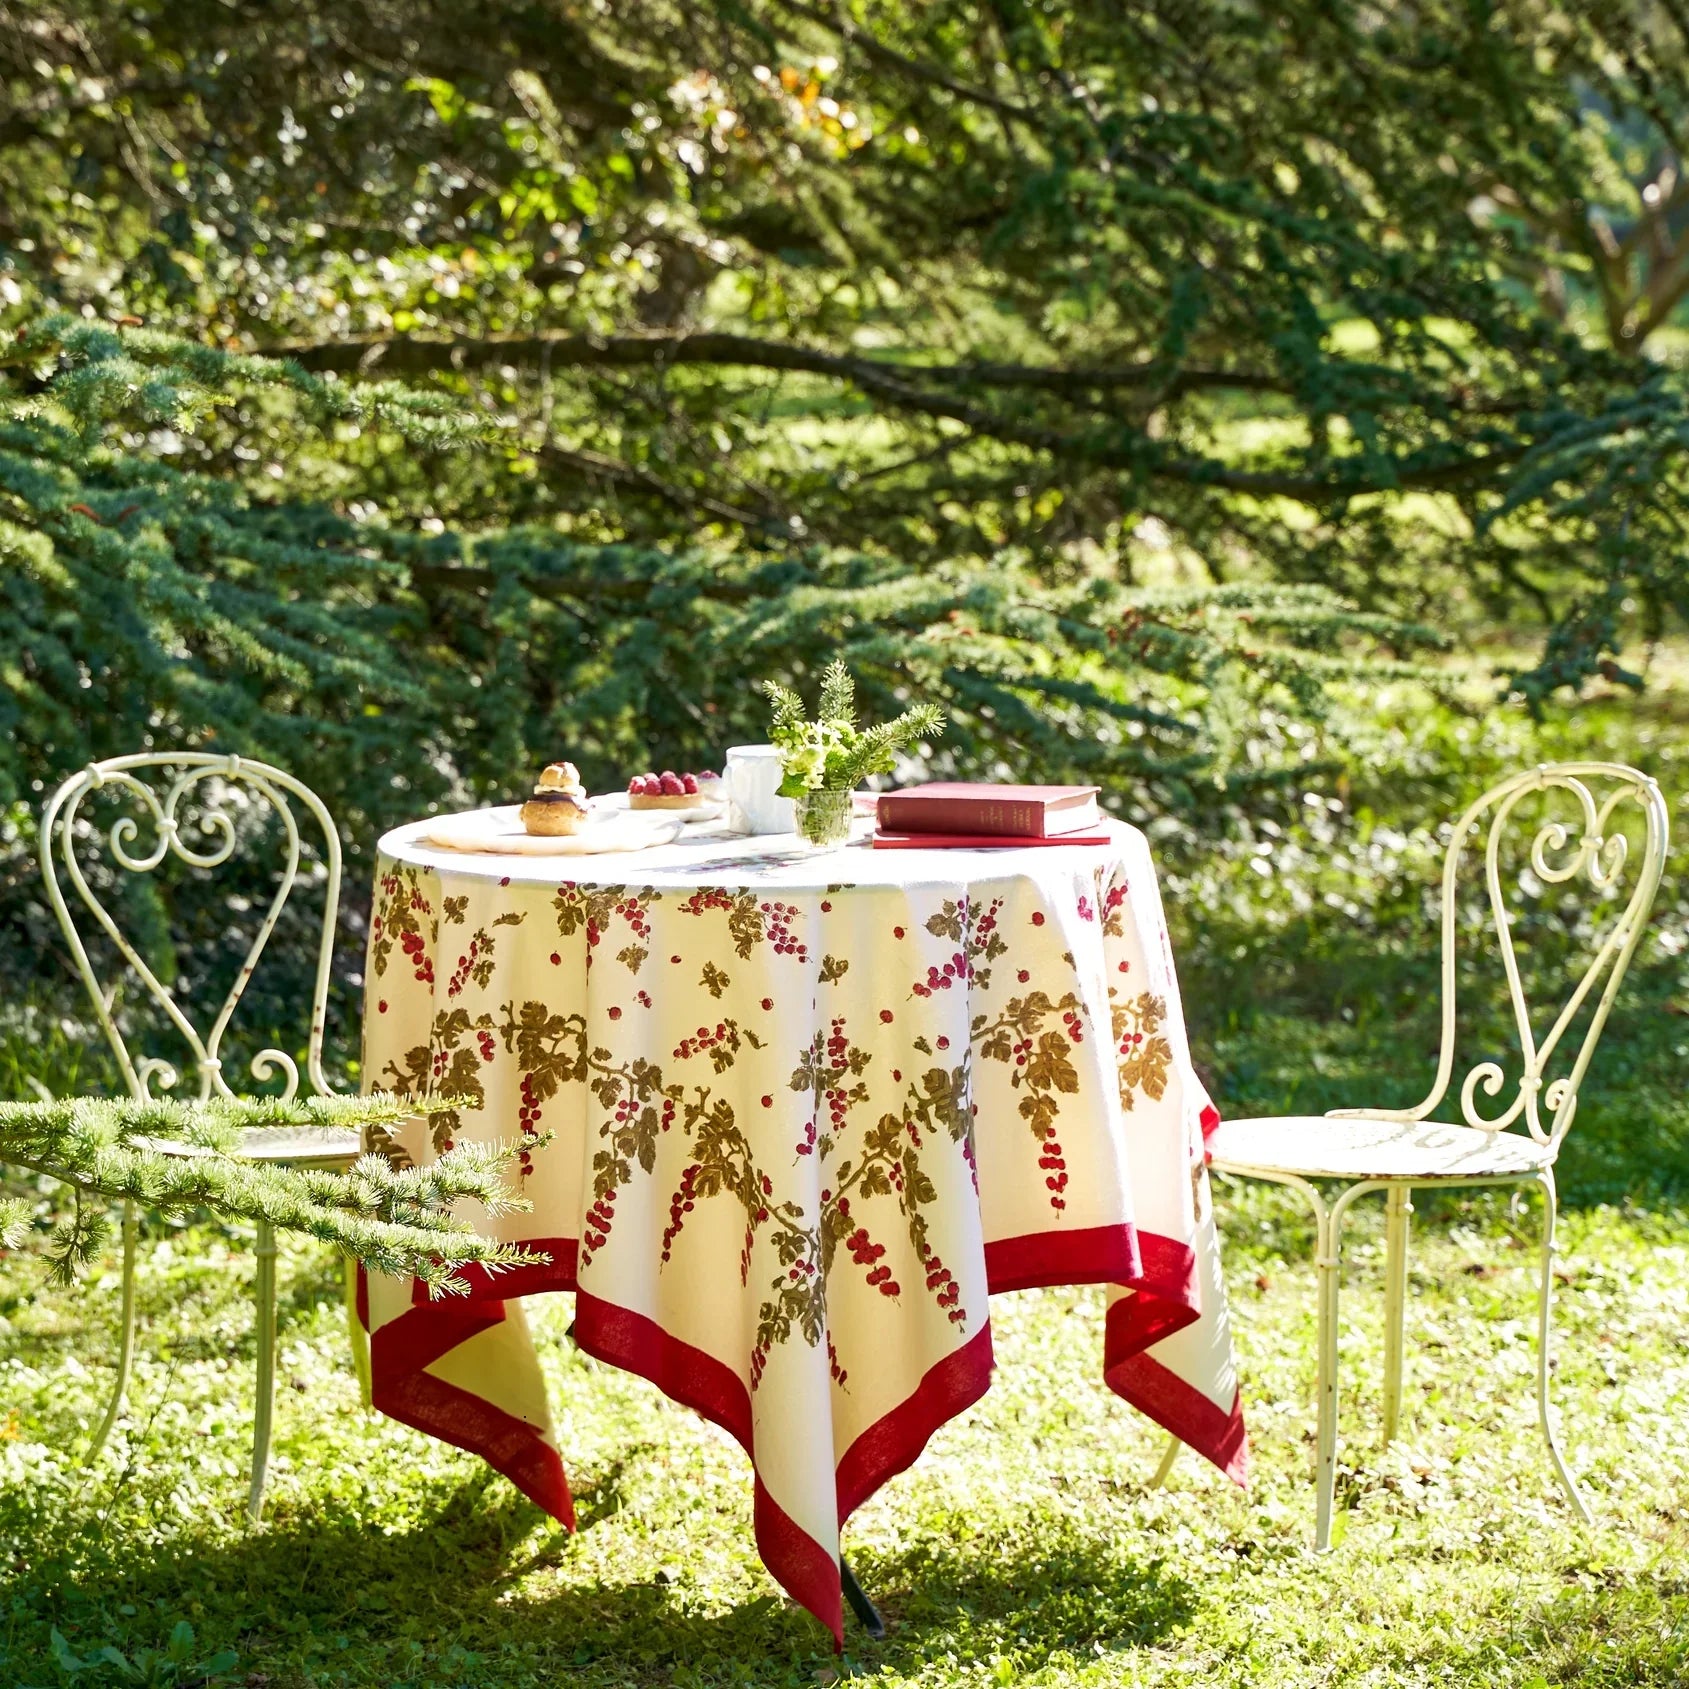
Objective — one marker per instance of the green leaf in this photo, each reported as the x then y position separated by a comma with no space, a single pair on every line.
63,1657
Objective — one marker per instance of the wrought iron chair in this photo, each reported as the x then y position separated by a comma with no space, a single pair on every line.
1399,1150
206,784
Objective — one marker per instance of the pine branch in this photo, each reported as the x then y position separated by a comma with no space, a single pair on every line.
838,694
413,354
180,1157
920,389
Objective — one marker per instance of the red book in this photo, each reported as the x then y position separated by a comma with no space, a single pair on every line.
979,841
1020,812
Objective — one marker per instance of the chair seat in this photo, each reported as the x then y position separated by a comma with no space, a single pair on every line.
294,1146
301,1146
1317,1146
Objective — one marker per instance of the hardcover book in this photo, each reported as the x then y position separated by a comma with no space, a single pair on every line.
981,841
964,807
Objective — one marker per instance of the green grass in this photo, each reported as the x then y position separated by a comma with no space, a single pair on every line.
1024,1547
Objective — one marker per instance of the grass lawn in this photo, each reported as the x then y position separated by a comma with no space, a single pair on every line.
1024,1547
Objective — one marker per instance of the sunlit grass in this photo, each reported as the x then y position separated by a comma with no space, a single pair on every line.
1023,1548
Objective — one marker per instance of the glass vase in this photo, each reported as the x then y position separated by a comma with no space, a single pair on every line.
824,818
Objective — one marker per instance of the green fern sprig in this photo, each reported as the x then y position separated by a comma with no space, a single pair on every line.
831,753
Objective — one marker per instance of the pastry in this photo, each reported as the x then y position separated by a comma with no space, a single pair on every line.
559,805
553,814
560,777
669,790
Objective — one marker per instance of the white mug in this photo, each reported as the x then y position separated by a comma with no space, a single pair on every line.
754,805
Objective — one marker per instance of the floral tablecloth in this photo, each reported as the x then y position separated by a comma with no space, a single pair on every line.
807,1113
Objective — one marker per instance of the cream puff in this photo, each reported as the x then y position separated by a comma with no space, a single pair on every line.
552,813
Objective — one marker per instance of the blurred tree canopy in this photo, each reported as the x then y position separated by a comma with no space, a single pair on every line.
751,299
1082,287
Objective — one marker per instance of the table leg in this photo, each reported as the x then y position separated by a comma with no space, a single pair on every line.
860,1605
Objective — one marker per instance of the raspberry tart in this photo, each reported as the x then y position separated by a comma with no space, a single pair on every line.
669,790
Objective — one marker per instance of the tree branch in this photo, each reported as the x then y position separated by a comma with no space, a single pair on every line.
596,466
903,387
404,354
844,26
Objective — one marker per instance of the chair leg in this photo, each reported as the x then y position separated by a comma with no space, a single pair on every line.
1545,1306
355,1329
1397,1221
1329,1265
265,1293
126,1333
1165,1470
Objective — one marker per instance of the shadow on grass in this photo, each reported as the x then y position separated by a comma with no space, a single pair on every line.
464,1590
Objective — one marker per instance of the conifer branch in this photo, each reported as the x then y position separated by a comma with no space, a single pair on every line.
920,389
179,1157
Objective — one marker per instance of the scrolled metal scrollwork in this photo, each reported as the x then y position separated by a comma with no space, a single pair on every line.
1561,851
266,1062
167,820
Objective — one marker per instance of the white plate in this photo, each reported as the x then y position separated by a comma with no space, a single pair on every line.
499,832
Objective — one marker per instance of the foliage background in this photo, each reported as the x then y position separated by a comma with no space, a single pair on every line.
1274,412
1125,385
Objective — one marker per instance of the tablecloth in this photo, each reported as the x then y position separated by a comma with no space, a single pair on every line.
804,1113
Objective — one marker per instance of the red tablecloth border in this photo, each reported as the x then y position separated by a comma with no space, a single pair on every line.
1160,1270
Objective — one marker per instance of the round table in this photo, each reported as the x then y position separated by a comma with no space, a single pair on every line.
802,1114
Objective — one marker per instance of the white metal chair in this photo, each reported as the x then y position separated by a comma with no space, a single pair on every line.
1399,1150
211,786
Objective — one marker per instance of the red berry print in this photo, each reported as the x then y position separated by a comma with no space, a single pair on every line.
595,1232
750,921
527,1118
680,1205
1113,898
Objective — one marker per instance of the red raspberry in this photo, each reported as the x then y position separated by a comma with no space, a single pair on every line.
670,785
689,783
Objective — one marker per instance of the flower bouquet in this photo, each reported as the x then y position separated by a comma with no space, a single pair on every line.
823,761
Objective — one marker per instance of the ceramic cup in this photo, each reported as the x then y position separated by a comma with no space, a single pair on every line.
754,805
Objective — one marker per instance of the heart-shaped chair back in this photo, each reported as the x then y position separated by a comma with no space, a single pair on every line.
184,806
